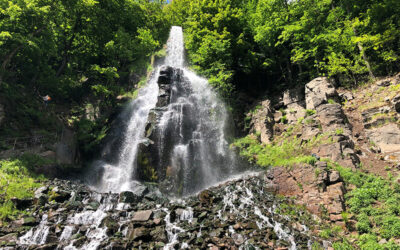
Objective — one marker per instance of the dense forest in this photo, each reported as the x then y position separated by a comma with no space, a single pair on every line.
253,45
72,50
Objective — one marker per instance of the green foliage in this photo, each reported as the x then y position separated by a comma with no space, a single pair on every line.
310,112
286,153
73,51
284,119
339,131
376,203
345,245
17,180
288,41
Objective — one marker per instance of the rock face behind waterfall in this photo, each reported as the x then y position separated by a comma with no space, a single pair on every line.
180,150
148,154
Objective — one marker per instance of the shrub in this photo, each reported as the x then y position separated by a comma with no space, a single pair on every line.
310,112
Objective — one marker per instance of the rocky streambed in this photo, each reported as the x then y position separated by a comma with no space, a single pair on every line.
238,214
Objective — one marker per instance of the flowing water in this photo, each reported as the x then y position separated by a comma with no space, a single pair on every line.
189,142
190,134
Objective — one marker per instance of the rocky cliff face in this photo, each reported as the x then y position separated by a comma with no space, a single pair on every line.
362,131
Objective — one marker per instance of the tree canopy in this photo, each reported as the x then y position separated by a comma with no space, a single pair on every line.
253,44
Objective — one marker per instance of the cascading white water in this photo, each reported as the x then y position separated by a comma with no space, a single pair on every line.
175,48
190,140
118,177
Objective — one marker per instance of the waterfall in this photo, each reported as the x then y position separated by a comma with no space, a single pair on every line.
173,133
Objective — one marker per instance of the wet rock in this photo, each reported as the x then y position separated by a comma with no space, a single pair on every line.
128,197
58,195
142,215
111,224
139,189
40,191
318,91
205,198
139,233
50,246
158,234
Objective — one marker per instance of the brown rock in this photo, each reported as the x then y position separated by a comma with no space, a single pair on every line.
142,215
335,217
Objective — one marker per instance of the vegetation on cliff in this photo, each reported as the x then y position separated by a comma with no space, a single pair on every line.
18,182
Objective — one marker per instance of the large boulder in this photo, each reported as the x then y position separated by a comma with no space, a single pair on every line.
262,121
293,100
318,91
333,119
386,137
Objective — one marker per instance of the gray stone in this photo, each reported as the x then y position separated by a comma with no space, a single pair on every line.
142,215
387,138
293,99
383,83
8,239
348,96
128,197
139,189
318,91
41,190
262,121
334,177
333,119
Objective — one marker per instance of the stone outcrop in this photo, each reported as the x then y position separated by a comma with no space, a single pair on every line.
262,121
333,119
294,101
319,189
318,91
387,140
148,155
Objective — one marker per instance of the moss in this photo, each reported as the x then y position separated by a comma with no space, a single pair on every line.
18,180
310,112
